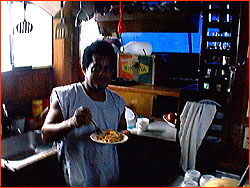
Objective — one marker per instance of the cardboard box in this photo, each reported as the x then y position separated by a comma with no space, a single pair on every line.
136,67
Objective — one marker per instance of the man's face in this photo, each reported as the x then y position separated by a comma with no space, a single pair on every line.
99,72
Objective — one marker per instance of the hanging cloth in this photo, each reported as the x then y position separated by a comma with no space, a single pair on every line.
196,119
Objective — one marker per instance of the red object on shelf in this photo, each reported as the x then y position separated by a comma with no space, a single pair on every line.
45,103
121,26
170,118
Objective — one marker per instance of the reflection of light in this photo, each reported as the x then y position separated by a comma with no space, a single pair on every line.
89,33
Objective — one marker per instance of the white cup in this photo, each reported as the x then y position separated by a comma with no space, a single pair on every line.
205,178
142,124
192,175
189,183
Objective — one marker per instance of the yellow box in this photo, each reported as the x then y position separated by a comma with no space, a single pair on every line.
136,67
37,107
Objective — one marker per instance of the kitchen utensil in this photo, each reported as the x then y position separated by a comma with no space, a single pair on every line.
97,129
61,31
44,112
24,27
232,70
121,26
244,177
82,14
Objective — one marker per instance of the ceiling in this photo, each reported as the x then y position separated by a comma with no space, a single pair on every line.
52,7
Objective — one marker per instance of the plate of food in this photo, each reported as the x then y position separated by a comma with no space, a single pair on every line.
109,137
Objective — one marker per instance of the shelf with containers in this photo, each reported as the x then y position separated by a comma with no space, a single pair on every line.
219,47
218,69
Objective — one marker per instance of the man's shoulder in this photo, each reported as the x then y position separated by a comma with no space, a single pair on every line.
114,94
67,88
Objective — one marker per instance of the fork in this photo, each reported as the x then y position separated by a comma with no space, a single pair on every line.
61,31
97,129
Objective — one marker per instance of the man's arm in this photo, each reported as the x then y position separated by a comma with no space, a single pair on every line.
123,124
54,127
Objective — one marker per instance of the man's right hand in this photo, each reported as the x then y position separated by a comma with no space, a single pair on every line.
82,116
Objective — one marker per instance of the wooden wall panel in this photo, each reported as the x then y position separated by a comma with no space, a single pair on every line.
58,56
19,87
66,51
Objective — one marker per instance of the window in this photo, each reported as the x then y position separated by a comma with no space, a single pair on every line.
25,49
5,38
168,42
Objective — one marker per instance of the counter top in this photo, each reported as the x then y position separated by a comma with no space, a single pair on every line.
157,129
19,164
148,89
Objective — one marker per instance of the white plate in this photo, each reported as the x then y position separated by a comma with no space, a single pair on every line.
165,119
125,138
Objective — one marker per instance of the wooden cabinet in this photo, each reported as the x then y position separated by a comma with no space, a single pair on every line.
43,173
143,98
148,162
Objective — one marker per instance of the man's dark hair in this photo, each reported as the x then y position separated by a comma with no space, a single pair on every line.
99,47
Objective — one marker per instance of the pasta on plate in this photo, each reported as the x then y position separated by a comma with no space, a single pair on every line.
109,136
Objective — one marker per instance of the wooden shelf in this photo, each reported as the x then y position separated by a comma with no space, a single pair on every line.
166,15
167,21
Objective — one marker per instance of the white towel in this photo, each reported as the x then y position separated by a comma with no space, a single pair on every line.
196,119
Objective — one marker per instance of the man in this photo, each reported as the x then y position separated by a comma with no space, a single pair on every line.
69,119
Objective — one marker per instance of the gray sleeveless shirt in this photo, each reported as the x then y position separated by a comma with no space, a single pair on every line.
88,163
